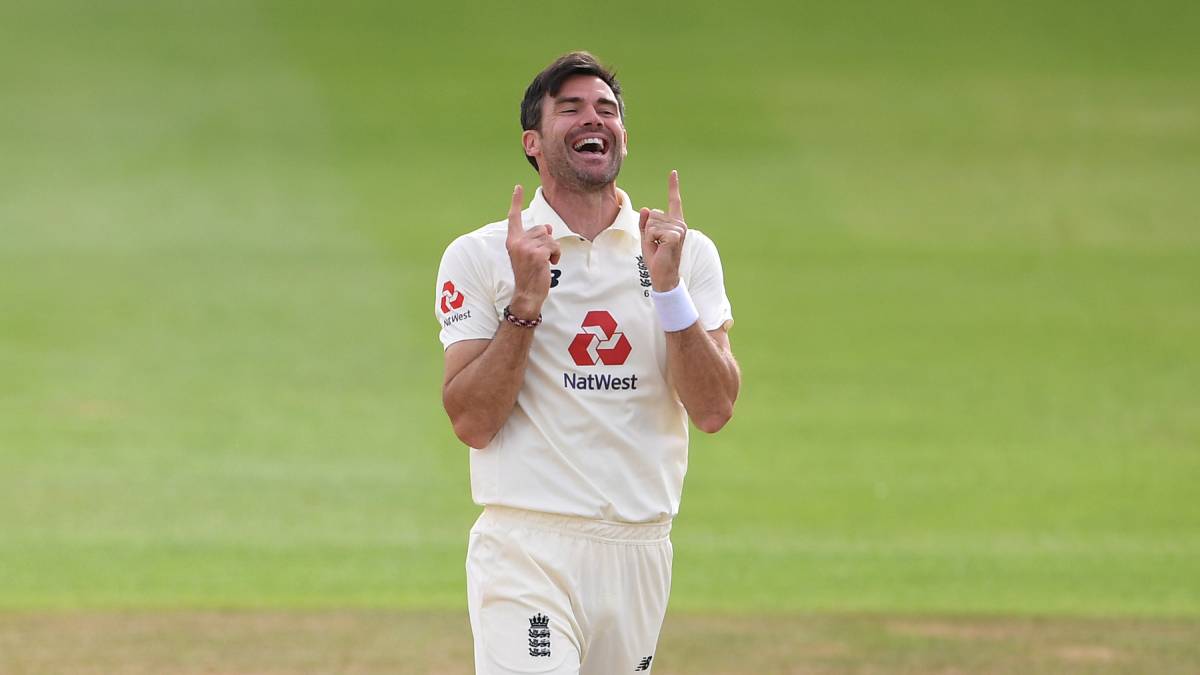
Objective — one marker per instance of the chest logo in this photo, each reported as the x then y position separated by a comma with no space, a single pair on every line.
451,298
599,341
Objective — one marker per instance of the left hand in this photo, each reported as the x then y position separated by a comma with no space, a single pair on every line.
662,238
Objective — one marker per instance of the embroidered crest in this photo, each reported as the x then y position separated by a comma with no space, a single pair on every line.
539,635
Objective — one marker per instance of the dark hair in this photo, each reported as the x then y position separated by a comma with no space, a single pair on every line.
550,81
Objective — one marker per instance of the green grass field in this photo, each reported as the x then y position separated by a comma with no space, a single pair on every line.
962,243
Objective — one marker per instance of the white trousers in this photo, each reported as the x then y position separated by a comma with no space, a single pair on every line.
563,595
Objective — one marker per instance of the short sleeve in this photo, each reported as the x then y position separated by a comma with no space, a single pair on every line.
706,283
464,299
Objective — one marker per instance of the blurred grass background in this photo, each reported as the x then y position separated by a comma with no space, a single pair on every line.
961,240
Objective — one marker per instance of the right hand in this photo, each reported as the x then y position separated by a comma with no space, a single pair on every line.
531,252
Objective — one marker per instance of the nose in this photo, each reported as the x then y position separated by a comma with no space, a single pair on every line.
592,116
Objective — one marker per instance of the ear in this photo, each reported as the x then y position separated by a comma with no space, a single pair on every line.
624,142
532,140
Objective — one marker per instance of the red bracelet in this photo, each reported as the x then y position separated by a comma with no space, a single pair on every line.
523,323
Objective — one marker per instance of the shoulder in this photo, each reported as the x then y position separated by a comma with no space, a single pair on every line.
698,238
479,244
699,245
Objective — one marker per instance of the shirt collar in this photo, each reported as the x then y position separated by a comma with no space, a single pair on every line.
542,214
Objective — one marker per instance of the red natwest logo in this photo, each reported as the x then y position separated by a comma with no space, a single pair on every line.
599,341
451,298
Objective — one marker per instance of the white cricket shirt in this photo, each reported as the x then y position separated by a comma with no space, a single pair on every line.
597,431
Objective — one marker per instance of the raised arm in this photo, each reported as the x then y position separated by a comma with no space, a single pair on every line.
700,363
482,377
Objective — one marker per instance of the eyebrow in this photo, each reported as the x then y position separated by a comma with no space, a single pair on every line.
576,100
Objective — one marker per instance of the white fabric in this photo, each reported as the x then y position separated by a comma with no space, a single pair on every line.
540,591
675,308
605,441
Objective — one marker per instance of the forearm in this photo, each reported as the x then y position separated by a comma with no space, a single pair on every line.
705,376
480,397
482,380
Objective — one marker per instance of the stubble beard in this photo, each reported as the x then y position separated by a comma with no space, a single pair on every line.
578,178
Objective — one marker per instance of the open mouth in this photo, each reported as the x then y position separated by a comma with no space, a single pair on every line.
590,145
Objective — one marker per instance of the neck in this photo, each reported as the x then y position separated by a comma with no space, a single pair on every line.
585,213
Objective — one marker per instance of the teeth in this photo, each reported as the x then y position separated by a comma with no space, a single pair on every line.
591,139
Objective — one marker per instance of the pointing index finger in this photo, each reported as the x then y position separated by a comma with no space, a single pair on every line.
674,203
515,226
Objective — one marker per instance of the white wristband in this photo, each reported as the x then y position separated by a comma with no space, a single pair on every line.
675,308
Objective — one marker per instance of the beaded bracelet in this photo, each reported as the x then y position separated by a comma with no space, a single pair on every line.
523,323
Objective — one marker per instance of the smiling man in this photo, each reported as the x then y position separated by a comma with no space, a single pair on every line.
580,336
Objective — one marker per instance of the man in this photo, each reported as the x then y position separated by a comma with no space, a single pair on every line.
580,336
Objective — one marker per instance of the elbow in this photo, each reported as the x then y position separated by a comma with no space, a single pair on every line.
472,435
469,429
713,421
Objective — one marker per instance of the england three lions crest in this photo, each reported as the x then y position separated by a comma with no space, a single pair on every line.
539,635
